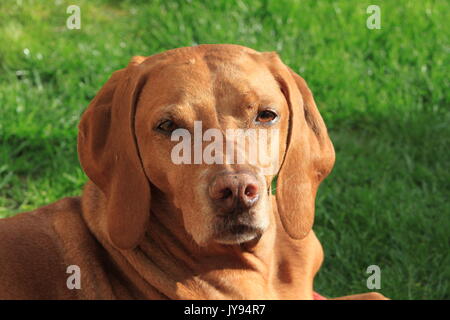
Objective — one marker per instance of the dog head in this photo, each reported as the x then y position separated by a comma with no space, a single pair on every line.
194,123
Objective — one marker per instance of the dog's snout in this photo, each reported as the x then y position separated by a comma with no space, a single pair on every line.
232,191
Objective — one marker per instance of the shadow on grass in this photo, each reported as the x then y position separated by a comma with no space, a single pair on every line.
385,203
37,171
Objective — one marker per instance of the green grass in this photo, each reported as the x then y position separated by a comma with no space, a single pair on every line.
383,93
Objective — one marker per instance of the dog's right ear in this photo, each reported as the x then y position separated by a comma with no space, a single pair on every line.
309,155
109,155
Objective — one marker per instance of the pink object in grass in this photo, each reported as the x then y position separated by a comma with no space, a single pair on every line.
317,296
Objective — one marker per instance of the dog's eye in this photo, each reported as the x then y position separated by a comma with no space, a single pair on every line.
167,126
266,116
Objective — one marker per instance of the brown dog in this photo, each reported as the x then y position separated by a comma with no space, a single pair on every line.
147,227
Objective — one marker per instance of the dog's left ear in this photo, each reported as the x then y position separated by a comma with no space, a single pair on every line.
309,155
110,157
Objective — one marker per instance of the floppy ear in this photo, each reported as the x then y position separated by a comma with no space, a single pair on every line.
309,155
109,155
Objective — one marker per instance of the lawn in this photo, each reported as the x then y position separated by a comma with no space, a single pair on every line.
384,95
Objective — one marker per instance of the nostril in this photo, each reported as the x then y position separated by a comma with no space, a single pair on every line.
226,193
251,191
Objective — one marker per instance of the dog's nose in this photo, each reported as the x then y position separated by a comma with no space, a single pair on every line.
232,191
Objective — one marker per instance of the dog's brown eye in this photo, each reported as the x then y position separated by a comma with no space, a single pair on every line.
266,116
167,126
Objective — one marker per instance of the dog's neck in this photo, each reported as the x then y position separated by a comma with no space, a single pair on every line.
211,271
175,267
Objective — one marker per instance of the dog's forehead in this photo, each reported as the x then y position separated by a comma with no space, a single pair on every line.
208,62
222,51
209,73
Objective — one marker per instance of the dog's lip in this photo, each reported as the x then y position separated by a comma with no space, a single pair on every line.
237,238
239,229
234,231
240,220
